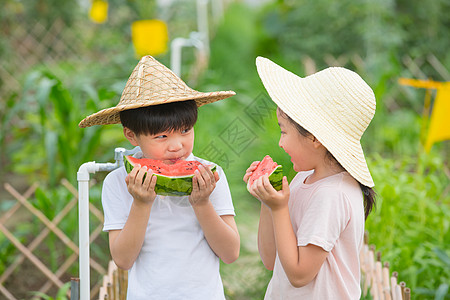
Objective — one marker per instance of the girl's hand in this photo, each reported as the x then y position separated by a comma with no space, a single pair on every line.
143,191
203,183
264,192
250,170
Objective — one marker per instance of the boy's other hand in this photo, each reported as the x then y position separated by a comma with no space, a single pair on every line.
142,190
203,183
250,170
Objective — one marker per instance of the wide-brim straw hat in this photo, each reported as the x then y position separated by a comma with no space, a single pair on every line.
151,83
335,105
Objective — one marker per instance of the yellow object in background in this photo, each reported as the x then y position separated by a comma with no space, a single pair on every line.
99,11
149,37
439,125
439,129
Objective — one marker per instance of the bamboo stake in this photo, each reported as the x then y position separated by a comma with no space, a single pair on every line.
372,283
102,294
394,286
109,288
398,292
403,286
407,293
123,275
386,282
105,284
111,273
364,261
379,276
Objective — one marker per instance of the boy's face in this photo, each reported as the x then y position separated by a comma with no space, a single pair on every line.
166,146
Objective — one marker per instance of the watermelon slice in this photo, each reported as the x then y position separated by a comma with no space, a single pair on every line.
268,166
172,180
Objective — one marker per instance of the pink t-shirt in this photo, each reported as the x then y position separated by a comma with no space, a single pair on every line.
328,213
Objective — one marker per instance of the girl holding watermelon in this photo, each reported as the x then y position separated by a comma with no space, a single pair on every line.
170,244
311,231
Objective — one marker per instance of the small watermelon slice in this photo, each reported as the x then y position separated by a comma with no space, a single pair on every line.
172,180
268,166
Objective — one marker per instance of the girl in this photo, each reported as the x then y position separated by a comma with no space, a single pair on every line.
310,232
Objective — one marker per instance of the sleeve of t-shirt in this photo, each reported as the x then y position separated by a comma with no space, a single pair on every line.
324,219
116,200
221,196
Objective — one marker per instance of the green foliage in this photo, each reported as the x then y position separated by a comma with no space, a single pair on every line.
410,225
61,295
51,113
41,140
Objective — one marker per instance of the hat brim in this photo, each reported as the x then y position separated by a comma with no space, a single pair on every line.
295,97
111,115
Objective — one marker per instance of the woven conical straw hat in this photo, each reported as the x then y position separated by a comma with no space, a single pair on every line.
335,105
151,83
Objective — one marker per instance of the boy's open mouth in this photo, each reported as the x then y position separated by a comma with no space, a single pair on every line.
174,160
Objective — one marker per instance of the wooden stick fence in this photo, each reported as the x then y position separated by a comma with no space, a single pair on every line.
376,278
27,248
115,284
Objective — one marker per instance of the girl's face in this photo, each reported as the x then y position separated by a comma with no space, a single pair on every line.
300,148
169,147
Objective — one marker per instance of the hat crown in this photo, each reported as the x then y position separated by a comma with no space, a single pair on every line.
344,100
152,81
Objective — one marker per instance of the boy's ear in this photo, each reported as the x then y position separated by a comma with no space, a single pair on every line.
130,135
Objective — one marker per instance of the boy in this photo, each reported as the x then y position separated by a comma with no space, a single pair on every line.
171,245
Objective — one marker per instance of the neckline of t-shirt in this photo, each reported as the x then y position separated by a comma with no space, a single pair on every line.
308,185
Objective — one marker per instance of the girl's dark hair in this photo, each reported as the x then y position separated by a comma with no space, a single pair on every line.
368,193
155,119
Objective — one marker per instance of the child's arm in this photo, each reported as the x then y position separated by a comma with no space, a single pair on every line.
125,244
300,263
220,231
266,238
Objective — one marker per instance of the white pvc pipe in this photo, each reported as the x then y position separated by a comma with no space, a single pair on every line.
83,226
202,23
83,221
176,47
217,9
83,213
175,54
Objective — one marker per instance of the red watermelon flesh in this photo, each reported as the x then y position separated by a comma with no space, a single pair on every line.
268,166
180,168
172,180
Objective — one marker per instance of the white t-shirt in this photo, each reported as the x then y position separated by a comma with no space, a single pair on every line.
175,261
328,213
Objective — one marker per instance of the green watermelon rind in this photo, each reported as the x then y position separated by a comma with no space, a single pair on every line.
170,185
275,178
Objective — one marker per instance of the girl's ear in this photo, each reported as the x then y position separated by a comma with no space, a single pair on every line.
130,135
316,143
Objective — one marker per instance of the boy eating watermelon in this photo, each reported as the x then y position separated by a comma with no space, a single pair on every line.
170,245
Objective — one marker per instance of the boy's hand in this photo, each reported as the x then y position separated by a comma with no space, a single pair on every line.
264,192
143,191
250,170
203,183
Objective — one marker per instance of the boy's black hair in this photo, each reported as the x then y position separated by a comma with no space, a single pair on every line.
369,194
155,119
